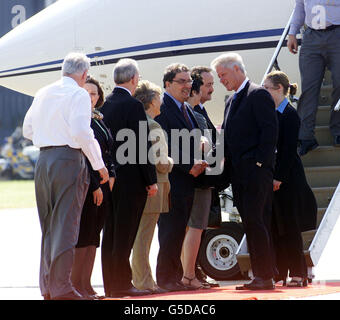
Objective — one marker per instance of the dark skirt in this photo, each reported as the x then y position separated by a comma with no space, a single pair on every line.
93,218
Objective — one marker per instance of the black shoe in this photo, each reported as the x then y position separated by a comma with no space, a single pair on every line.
134,292
337,141
173,286
258,284
284,281
157,290
306,146
73,295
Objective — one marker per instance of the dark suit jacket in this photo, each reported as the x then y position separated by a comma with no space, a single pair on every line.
104,138
171,118
210,125
221,181
122,111
251,129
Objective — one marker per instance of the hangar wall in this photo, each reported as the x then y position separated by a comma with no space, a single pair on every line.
13,105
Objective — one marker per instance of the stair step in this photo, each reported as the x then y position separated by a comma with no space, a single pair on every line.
307,238
243,259
322,156
320,214
328,176
326,95
327,78
323,195
323,115
324,136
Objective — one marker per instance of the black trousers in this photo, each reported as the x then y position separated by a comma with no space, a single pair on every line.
253,192
93,218
171,233
120,228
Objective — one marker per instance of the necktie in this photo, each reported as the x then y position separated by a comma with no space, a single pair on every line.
186,117
205,112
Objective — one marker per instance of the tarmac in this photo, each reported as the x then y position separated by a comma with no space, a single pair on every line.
20,238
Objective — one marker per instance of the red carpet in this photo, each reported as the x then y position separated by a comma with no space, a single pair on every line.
229,293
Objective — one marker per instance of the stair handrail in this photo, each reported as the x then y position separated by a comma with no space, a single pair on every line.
337,106
273,60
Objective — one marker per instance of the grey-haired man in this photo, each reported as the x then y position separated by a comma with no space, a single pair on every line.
136,180
58,122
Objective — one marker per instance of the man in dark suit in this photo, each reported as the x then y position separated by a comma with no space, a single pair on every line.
136,179
207,89
250,136
204,74
176,115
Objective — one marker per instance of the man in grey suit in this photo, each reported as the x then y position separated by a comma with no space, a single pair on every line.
320,49
58,122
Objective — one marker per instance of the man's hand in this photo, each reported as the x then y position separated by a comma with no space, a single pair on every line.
198,168
111,182
152,190
292,44
276,185
104,174
98,197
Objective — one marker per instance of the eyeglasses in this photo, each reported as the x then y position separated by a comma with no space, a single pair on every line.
182,81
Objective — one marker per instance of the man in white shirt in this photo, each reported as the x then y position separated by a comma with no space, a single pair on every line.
58,122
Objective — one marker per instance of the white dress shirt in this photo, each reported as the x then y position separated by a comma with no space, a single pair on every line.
61,115
243,84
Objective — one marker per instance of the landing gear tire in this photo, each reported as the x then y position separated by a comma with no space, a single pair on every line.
217,254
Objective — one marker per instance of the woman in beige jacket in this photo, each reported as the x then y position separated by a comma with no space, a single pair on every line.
149,94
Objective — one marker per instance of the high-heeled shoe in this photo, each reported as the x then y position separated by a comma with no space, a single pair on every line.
298,283
284,281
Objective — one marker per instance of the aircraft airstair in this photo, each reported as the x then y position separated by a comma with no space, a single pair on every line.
322,168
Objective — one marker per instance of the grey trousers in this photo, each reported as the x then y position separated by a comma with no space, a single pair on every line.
319,49
61,183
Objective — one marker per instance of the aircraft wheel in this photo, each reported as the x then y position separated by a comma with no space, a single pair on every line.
217,255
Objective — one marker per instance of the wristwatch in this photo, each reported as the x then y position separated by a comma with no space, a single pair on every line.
259,164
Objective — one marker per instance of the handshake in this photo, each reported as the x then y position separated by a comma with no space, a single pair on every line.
198,167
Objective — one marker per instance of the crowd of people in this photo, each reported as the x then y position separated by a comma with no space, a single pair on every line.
116,165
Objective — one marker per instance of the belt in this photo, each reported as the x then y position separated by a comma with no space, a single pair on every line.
329,28
52,147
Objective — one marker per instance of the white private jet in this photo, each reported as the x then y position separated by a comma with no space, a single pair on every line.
154,32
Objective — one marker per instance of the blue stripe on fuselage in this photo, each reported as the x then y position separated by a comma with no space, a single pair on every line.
169,44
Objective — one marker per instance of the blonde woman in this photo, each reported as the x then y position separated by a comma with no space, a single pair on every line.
149,94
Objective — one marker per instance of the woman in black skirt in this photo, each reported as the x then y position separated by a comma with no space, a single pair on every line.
98,200
294,204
